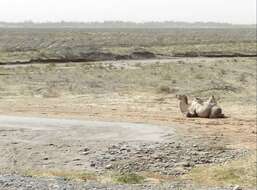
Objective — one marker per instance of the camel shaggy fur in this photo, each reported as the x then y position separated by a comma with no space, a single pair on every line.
200,108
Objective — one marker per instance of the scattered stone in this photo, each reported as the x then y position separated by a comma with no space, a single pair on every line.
237,187
184,164
86,149
85,153
160,157
109,166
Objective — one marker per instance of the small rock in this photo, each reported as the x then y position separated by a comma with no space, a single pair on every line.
194,153
86,149
109,166
156,156
184,164
237,187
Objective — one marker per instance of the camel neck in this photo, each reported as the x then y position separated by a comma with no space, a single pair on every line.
183,106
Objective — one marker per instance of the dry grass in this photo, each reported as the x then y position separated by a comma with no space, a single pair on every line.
196,77
17,45
110,177
128,178
240,172
67,175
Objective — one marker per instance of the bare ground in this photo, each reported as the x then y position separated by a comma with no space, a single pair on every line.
197,143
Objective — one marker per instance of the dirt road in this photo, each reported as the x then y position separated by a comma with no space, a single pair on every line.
84,130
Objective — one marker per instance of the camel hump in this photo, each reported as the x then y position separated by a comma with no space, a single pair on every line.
198,100
212,100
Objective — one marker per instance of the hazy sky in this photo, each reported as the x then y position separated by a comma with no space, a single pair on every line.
232,11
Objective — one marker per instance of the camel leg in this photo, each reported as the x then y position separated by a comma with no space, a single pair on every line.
188,114
216,112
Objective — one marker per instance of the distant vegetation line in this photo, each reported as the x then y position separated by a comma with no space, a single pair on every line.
121,24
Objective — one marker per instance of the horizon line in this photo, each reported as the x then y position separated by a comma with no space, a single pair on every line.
122,21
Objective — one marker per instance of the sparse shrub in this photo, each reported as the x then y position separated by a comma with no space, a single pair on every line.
181,62
164,89
138,64
223,72
130,178
242,78
51,91
167,77
86,176
51,66
155,73
167,90
68,176
199,76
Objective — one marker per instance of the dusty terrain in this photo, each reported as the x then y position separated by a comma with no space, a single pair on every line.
114,92
116,124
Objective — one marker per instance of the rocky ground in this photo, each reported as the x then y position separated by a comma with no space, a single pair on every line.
15,182
171,158
34,149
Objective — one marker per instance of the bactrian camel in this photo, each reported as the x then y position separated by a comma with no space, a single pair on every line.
200,108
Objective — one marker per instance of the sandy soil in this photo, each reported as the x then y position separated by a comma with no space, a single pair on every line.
134,108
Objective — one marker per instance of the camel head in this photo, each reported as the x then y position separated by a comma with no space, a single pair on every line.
183,103
182,98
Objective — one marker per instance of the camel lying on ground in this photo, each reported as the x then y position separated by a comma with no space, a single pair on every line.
200,108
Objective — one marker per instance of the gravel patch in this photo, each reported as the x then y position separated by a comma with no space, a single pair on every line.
15,182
